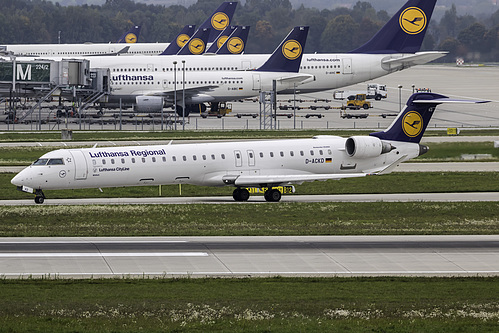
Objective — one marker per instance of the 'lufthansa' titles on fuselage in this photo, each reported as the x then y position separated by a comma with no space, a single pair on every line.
138,153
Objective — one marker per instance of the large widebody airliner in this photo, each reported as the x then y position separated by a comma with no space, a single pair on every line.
395,47
217,22
240,164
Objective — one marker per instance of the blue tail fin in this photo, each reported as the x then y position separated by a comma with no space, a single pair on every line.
219,20
131,36
410,124
220,40
236,42
197,44
181,39
287,56
404,32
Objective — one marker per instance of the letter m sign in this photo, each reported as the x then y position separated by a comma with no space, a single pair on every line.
23,75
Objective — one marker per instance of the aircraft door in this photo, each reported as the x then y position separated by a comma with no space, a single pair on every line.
80,163
150,67
347,66
256,82
251,158
165,84
238,158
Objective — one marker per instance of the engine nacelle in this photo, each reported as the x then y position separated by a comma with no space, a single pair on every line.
366,146
148,104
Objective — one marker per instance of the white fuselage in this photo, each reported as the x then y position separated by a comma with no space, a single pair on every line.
259,163
85,49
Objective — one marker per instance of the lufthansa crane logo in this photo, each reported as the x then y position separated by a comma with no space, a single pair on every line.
219,21
182,39
131,38
221,41
235,45
291,49
196,46
412,20
412,124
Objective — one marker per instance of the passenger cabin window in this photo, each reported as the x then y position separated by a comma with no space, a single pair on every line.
41,161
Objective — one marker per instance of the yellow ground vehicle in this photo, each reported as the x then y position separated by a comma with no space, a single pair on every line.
358,101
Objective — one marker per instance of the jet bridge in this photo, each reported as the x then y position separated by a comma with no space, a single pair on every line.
42,79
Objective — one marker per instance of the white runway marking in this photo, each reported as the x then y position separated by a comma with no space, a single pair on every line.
103,254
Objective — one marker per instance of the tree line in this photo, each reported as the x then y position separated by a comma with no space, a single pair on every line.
337,30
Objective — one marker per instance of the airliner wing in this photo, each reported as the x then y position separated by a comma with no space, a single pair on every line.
289,179
190,91
393,62
298,78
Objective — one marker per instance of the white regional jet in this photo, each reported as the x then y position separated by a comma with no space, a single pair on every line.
394,47
238,164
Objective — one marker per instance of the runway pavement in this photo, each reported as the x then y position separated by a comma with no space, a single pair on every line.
249,256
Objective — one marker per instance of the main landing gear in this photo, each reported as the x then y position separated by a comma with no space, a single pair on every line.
271,195
39,197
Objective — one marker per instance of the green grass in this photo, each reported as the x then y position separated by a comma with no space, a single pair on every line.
251,305
283,219
34,136
400,182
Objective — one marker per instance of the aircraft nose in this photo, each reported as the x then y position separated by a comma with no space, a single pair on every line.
17,180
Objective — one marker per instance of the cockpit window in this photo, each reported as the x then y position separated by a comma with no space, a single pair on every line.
55,161
41,161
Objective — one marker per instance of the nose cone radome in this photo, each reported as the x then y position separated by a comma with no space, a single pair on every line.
19,179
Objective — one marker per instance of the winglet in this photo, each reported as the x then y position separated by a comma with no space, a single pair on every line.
131,36
182,38
219,20
287,56
404,32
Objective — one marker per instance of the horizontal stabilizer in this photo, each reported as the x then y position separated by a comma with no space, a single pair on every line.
394,62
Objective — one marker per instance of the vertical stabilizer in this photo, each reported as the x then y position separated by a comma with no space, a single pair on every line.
219,20
197,44
131,36
404,32
221,39
179,41
287,56
236,42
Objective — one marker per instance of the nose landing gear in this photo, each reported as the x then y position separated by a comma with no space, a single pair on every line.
39,197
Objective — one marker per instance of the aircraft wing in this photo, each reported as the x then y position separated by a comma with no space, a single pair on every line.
189,92
259,180
297,78
408,60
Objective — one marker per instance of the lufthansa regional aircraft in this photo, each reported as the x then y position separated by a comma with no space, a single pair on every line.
393,48
243,165
217,22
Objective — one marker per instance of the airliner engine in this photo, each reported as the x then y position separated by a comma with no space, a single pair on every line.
366,146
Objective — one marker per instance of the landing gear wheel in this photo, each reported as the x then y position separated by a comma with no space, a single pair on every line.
39,199
241,194
272,195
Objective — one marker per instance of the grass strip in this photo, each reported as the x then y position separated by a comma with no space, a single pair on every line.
425,182
378,218
382,304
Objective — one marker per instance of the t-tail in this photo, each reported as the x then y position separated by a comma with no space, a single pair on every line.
236,42
131,36
197,44
287,56
219,20
411,123
181,39
404,32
